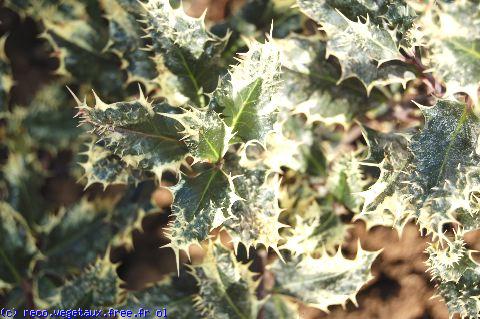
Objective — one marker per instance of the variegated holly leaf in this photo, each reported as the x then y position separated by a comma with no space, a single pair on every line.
21,180
50,108
245,96
346,179
173,296
201,203
185,47
103,167
227,287
318,229
255,219
457,277
126,39
362,48
309,84
138,133
320,283
396,13
17,248
67,238
420,177
454,46
205,133
6,80
98,286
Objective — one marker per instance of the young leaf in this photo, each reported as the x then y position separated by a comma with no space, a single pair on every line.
330,280
205,133
457,277
318,230
227,288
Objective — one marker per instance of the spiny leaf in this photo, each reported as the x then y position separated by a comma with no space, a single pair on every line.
227,289
454,46
96,287
457,277
421,181
309,84
346,180
361,48
172,296
330,280
126,39
138,133
21,180
67,238
50,108
185,47
103,167
255,216
17,248
318,229
205,133
201,203
245,98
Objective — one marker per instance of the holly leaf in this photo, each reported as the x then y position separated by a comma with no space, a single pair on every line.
362,48
184,46
97,286
227,288
318,229
280,307
456,275
18,252
173,296
256,214
245,98
201,203
138,133
67,243
329,280
205,133
126,39
103,167
454,46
